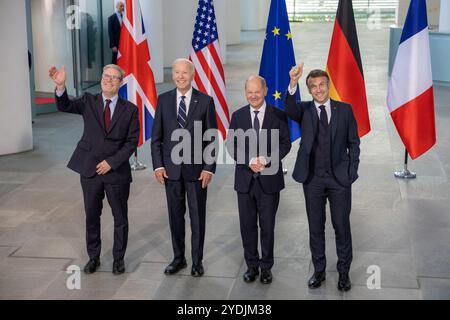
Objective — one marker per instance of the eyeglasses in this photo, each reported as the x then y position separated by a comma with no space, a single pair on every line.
109,77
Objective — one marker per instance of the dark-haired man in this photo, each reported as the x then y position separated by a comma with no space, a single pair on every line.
327,165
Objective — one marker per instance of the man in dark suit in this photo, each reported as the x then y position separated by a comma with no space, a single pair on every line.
111,135
327,165
258,175
114,26
184,173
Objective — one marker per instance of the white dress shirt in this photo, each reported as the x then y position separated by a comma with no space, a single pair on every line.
187,100
261,113
120,17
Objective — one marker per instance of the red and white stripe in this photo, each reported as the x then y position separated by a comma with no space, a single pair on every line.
410,95
210,79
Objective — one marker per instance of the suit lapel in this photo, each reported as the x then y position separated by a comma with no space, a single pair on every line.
314,117
118,111
99,111
334,119
192,105
268,118
247,120
172,109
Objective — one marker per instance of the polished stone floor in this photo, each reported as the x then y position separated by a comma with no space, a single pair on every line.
400,227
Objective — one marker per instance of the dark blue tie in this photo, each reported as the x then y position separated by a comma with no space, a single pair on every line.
256,126
182,114
323,116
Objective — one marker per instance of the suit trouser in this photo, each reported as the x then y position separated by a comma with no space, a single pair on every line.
94,190
176,191
317,191
253,206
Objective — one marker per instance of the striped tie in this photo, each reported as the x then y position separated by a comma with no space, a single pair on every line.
182,114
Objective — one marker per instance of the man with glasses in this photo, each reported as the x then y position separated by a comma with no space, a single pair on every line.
111,135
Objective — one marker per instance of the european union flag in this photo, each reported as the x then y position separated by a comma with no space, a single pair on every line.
278,59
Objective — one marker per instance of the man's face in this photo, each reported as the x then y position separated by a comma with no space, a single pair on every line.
111,81
319,89
182,76
255,93
120,7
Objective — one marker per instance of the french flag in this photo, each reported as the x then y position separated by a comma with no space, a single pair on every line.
410,93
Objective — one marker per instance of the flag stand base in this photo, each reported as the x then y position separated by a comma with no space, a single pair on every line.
405,173
136,165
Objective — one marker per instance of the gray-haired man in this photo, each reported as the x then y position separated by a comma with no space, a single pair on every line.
111,134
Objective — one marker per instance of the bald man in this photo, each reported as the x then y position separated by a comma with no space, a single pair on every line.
258,175
178,111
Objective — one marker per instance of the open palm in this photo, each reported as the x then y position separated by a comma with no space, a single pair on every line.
58,76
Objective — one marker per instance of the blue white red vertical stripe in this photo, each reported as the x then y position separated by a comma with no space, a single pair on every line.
134,58
410,94
205,55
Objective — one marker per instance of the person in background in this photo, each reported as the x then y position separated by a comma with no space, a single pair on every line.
114,26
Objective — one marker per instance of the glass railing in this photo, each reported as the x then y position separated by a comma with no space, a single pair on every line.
325,10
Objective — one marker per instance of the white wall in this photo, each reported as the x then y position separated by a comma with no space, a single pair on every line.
444,19
15,106
51,42
233,20
254,14
152,11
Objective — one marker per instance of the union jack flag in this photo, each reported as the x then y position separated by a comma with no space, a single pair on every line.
134,58
205,54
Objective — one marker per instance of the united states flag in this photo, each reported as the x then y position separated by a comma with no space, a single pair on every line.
205,54
134,58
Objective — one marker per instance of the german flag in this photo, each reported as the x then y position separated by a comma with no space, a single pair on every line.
345,68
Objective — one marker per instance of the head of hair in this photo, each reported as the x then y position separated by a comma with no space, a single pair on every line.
317,73
254,76
184,60
115,67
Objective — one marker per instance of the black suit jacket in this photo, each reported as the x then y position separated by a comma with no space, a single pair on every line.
344,139
273,119
202,110
114,31
95,145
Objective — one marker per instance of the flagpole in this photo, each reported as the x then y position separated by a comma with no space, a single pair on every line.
405,173
135,164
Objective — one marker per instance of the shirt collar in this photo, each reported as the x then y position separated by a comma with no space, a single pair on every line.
261,110
188,94
327,104
113,100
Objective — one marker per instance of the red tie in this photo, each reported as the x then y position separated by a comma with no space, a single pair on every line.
107,115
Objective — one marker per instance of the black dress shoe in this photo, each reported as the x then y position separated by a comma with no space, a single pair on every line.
91,266
251,274
344,283
175,266
266,276
316,280
197,271
118,267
